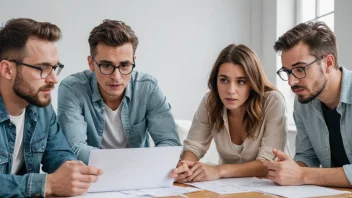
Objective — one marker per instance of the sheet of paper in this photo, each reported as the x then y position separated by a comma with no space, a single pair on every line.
107,195
227,185
161,192
267,186
134,168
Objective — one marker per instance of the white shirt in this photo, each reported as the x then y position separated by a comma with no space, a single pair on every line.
238,148
18,157
114,134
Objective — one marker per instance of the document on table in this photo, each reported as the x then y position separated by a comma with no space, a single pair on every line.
156,192
162,192
226,185
267,186
134,168
250,184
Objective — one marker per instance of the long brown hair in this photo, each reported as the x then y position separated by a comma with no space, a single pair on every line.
244,56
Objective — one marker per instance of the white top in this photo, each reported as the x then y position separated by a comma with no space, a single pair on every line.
114,134
238,148
18,156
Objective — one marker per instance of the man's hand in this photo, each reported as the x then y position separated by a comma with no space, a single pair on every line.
285,171
71,179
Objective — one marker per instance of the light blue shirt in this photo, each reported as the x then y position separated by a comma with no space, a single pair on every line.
144,108
312,140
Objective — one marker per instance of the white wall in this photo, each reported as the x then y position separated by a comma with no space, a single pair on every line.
179,40
343,30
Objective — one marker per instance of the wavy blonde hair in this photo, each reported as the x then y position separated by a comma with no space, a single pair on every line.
245,57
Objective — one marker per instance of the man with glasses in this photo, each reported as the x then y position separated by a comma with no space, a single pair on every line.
29,132
112,106
322,109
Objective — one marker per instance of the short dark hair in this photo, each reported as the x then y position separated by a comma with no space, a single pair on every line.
112,33
318,36
14,36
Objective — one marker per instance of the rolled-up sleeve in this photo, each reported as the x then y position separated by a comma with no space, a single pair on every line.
275,131
199,136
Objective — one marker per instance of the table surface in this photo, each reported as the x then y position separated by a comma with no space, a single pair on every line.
209,194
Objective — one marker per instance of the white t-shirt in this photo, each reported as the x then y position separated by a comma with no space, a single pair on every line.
114,134
18,157
238,148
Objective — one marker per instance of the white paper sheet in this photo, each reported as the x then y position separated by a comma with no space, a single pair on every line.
267,186
162,192
239,185
134,168
227,185
107,195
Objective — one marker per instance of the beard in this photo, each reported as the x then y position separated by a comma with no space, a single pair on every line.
29,94
318,87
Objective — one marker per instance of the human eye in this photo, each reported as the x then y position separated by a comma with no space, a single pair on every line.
126,65
106,65
241,82
224,80
299,69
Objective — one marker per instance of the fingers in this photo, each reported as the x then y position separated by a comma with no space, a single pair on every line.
90,170
199,177
281,155
196,170
88,178
181,168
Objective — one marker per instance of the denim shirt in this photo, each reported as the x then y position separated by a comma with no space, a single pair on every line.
312,140
144,108
43,142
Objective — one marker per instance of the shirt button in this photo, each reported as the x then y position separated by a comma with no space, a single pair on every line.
43,148
10,124
127,131
30,169
327,149
327,158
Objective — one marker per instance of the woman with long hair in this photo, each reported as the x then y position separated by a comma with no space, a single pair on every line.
244,114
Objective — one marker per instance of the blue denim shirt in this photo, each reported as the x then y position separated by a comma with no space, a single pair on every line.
43,142
144,108
312,140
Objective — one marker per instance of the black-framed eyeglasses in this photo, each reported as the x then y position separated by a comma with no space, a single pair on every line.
45,71
297,72
124,68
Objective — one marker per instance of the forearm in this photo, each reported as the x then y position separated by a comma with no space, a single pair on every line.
249,169
189,156
27,185
334,177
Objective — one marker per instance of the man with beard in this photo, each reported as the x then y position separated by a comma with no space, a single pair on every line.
322,109
29,132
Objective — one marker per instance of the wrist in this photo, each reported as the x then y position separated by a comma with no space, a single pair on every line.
48,190
305,179
220,170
